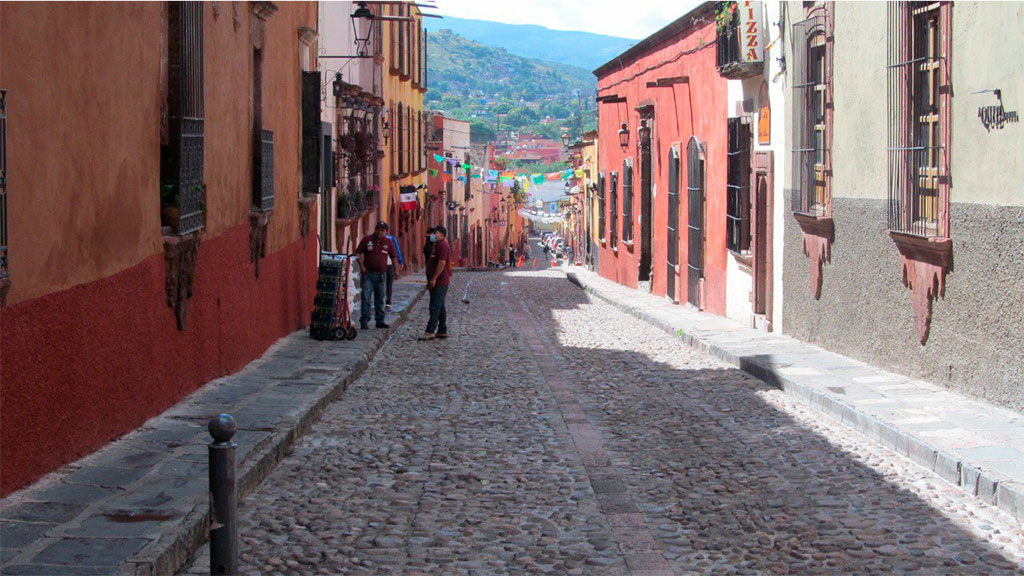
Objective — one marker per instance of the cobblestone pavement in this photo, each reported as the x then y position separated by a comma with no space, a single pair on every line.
554,435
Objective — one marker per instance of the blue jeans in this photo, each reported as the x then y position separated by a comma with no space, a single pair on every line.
373,286
438,313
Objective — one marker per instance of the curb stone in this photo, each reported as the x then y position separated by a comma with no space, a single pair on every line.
988,486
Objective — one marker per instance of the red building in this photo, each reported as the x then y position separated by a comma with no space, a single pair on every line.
662,164
159,237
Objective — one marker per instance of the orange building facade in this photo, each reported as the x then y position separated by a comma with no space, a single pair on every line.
158,235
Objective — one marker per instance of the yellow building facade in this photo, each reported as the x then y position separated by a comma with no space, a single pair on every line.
404,165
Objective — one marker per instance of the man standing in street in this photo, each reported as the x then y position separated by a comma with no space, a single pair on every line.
438,275
392,264
374,251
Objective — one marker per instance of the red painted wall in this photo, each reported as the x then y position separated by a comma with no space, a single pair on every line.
88,346
83,366
696,108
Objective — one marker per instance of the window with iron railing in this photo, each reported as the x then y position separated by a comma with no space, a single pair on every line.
600,207
312,143
423,62
265,191
919,122
181,151
400,138
396,32
812,103
728,49
4,270
737,231
627,200
613,201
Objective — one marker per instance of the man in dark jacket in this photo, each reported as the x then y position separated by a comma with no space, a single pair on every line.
374,251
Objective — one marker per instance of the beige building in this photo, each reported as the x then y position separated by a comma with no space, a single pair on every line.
905,159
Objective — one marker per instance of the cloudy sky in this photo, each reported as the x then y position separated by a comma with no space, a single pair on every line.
636,19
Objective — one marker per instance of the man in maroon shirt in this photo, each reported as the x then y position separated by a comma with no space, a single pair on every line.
438,274
373,254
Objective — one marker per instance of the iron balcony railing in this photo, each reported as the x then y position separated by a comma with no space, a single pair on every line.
728,55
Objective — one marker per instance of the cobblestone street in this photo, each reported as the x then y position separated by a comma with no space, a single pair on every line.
553,434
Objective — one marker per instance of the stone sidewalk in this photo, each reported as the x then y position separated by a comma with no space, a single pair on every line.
140,505
972,444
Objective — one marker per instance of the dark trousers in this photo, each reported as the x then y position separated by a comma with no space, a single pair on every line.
438,313
390,282
373,287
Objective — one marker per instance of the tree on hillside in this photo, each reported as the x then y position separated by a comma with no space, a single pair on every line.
480,133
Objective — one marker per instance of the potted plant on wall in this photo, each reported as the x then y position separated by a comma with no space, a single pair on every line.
170,211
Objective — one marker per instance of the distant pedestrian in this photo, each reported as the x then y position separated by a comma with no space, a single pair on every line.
547,252
511,256
392,272
568,253
439,267
374,251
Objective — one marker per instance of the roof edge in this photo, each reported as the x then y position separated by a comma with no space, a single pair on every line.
674,28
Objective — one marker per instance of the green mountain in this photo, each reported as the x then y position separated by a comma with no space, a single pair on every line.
498,90
566,47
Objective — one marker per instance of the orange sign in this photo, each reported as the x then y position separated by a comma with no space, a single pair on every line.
764,117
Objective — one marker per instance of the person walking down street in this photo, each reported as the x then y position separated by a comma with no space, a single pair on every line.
568,253
511,256
392,271
374,251
438,275
546,252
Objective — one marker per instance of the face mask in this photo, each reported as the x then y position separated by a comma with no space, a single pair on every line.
433,237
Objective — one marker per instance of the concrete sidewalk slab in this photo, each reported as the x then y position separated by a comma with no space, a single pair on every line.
968,442
140,505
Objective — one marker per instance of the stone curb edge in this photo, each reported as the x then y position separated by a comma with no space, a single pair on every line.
172,550
990,487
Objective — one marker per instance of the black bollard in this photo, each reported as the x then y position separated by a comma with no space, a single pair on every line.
223,512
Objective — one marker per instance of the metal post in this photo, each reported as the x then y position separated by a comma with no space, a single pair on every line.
223,510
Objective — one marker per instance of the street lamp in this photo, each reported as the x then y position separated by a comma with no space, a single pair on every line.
565,139
623,136
362,25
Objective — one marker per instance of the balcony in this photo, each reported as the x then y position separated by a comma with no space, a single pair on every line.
729,56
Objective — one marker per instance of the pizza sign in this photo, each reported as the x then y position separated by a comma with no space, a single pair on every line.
751,32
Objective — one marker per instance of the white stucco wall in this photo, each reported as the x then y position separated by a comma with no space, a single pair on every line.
739,280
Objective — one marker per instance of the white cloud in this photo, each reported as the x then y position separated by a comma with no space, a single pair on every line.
637,19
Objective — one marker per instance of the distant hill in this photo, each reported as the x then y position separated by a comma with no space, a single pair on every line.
581,49
493,88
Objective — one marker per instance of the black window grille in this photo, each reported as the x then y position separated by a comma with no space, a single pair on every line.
400,138
918,84
737,232
265,182
182,155
810,102
627,200
424,61
312,167
727,42
613,201
695,219
4,270
673,210
600,206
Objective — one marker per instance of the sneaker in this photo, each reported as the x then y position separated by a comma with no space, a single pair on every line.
427,336
383,325
364,326
441,335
